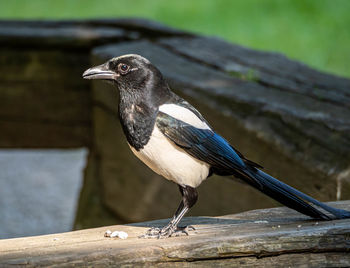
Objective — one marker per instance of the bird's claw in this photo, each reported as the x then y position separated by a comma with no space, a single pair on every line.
151,233
167,231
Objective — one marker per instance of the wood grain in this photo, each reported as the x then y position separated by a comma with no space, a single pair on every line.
271,237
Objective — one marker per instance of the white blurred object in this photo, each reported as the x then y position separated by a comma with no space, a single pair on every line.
39,190
120,234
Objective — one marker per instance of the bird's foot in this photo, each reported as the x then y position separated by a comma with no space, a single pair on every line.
167,231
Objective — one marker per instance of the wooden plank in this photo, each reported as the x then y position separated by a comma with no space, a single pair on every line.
260,237
58,35
271,68
82,34
44,102
45,65
44,134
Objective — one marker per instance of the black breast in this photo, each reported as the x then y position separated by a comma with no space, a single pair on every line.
138,106
137,121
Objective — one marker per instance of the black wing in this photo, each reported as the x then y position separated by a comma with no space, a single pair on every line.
203,144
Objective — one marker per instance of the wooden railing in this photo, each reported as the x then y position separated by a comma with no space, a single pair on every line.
277,237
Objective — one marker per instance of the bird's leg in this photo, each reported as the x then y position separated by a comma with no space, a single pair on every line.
154,232
189,198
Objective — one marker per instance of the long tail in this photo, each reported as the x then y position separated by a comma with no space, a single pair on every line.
290,197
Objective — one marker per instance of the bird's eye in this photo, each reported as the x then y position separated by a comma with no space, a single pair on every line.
123,68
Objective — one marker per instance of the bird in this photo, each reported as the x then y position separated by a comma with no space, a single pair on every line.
172,138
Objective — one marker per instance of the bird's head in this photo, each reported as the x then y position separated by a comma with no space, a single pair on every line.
127,72
135,77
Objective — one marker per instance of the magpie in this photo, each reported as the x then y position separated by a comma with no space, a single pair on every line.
172,138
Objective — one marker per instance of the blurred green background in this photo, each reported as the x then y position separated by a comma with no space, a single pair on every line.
316,32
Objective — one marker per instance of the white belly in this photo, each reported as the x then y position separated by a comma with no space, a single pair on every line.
170,161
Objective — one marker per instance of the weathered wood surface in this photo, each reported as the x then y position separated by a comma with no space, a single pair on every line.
43,103
275,237
79,33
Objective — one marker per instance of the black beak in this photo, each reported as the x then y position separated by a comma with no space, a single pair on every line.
100,72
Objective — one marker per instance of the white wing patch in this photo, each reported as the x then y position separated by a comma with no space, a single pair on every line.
183,114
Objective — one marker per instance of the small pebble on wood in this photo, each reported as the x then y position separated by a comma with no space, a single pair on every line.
120,234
